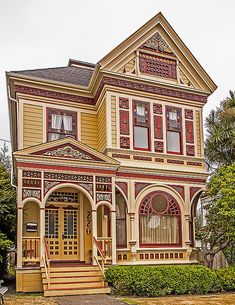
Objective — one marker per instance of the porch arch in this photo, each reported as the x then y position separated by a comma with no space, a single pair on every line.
71,185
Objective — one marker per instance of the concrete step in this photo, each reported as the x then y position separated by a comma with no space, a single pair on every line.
63,292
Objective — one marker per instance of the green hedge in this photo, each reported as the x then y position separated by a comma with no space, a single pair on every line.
165,280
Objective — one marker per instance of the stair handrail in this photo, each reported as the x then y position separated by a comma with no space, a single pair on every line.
103,259
46,260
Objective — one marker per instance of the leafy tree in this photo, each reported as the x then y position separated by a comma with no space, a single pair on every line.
7,209
5,158
219,232
220,127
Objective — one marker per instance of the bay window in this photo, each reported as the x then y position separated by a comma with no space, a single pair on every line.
159,220
141,125
61,124
174,130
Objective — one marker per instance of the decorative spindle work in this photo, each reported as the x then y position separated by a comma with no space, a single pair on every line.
31,174
31,193
36,183
72,177
103,197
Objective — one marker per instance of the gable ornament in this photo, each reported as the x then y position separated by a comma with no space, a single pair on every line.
157,43
68,152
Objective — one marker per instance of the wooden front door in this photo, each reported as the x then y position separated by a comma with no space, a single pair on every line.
61,230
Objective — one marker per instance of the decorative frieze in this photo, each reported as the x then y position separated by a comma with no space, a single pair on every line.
173,161
49,185
194,163
31,174
159,160
102,179
31,193
142,158
36,183
72,177
103,197
104,187
122,156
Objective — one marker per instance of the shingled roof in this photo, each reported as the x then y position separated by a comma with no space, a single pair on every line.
75,75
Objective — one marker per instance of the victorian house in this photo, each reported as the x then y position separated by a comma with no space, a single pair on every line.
109,163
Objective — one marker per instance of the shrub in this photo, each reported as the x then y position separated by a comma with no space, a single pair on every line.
165,280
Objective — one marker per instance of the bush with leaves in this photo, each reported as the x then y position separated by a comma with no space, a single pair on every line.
154,281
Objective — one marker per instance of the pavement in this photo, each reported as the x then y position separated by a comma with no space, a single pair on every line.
97,299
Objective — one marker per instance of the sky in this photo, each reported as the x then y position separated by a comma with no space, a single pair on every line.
46,33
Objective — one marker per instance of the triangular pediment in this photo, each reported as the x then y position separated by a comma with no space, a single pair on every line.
66,149
165,57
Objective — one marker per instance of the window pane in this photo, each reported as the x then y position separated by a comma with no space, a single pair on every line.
173,141
53,136
157,229
121,237
141,113
141,137
159,203
67,121
56,121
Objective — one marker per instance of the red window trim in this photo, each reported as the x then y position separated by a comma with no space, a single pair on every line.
146,245
149,139
180,132
59,111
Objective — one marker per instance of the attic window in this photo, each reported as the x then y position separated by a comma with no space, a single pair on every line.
158,66
61,124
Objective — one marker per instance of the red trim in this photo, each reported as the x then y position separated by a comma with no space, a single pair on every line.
135,175
65,168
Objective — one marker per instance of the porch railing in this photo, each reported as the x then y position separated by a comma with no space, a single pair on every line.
46,260
105,244
31,249
99,255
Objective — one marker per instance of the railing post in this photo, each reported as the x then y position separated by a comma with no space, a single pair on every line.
94,234
113,226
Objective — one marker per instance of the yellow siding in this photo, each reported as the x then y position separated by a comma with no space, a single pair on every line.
113,120
32,125
89,133
31,214
198,134
101,120
29,282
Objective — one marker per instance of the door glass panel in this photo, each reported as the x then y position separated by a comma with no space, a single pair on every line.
51,219
70,224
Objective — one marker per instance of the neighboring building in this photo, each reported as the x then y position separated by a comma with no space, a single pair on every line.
109,160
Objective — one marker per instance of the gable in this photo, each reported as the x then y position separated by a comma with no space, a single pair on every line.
156,52
66,149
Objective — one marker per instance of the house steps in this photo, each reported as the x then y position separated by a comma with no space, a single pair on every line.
73,280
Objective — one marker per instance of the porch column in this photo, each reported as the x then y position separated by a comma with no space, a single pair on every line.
187,230
42,233
94,233
132,241
19,237
113,234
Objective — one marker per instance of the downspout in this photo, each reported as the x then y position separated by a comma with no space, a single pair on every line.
17,104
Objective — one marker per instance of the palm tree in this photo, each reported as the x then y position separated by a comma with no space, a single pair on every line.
220,127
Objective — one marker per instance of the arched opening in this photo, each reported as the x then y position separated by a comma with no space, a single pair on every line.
197,210
31,232
159,220
68,225
121,220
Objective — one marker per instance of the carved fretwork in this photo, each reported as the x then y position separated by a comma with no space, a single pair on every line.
157,108
188,114
190,150
158,44
157,66
123,103
158,146
124,142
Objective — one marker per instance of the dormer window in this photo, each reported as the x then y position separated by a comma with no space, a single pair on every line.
141,125
61,124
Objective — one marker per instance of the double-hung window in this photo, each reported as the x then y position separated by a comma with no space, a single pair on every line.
174,130
141,125
61,124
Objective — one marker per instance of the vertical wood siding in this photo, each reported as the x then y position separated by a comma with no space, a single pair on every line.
32,125
101,120
89,133
198,134
113,121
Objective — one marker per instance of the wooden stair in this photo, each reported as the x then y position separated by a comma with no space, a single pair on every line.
74,280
